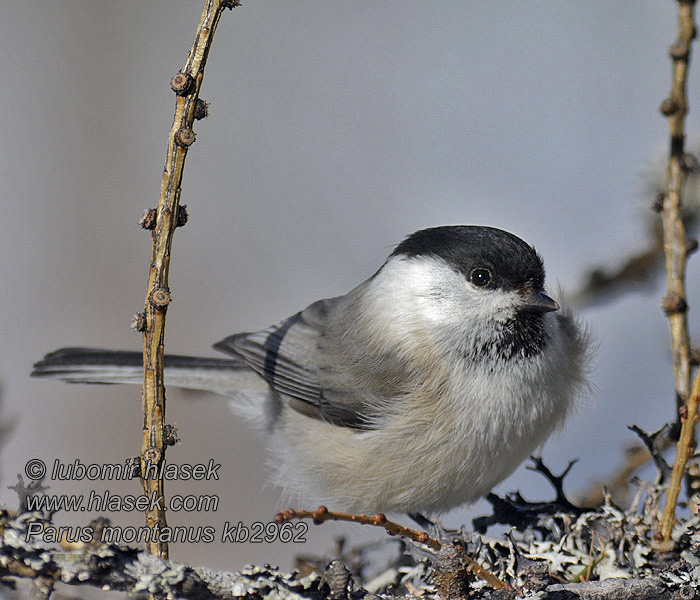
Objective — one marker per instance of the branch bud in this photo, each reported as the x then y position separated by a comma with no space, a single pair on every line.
160,298
151,454
669,107
689,163
185,137
182,83
148,218
170,435
658,204
679,50
673,304
182,216
201,110
138,322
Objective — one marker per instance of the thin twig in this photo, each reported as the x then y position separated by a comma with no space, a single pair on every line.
322,514
685,449
675,108
186,85
651,441
557,482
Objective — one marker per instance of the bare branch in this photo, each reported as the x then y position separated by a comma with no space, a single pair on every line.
652,441
186,85
675,108
322,514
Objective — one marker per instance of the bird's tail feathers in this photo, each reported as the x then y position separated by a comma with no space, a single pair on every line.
225,376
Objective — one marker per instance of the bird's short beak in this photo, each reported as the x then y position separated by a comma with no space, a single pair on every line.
538,302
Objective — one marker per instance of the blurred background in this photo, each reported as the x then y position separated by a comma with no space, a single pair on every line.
335,129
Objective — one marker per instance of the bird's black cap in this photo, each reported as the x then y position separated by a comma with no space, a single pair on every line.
511,261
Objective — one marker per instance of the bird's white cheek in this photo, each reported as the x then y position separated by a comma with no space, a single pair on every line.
419,307
484,306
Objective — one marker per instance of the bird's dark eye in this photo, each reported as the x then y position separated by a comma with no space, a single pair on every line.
480,277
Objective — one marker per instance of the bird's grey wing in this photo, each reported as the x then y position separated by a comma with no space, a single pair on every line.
290,356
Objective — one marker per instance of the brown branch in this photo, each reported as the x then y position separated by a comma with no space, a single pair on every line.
685,449
675,108
322,514
674,238
186,85
632,273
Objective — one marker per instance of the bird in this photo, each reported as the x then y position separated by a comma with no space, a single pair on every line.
416,392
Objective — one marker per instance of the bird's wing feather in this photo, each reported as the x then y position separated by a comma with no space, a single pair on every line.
292,356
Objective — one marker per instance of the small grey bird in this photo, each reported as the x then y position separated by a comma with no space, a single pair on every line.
417,391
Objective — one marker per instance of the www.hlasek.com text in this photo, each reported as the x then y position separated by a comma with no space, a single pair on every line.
108,502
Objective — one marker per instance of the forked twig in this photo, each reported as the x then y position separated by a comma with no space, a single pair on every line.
322,514
652,441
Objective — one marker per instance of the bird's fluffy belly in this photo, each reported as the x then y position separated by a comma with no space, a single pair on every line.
423,464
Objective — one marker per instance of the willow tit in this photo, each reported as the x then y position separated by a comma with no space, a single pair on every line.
417,391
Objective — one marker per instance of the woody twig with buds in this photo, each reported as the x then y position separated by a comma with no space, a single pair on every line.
162,222
322,514
675,243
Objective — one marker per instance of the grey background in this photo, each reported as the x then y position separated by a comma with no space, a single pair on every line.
336,128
